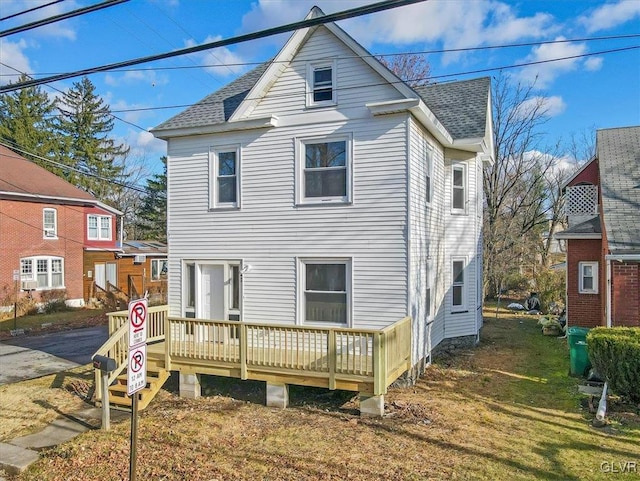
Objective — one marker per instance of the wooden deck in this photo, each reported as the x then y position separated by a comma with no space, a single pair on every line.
367,361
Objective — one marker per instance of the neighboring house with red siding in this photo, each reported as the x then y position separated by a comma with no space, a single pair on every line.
603,237
46,224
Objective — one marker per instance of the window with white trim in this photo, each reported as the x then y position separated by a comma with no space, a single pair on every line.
321,83
428,166
324,170
458,294
98,227
159,269
50,223
588,277
225,185
46,270
325,296
458,189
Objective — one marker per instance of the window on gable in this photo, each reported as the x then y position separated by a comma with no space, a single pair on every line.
47,271
458,189
321,80
325,167
326,290
226,178
50,223
98,227
458,296
588,277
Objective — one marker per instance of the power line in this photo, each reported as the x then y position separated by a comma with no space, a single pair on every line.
311,22
377,55
62,16
30,10
457,74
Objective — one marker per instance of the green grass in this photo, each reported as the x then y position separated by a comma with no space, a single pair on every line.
71,317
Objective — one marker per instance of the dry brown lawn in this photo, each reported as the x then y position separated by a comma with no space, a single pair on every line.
504,411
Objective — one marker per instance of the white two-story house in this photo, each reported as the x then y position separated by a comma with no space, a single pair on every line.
319,190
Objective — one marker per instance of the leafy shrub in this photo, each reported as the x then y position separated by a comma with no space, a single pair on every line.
615,354
54,301
550,286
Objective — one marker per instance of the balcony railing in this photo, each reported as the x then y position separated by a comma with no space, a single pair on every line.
338,358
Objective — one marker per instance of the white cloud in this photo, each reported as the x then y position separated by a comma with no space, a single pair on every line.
118,106
611,15
219,61
143,145
545,73
552,106
56,29
593,63
13,54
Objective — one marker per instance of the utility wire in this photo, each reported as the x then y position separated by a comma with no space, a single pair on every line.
311,22
62,16
432,77
30,10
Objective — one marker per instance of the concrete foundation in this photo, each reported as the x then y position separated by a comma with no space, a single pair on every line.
277,395
371,406
190,386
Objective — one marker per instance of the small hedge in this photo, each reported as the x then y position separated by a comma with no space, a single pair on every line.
615,354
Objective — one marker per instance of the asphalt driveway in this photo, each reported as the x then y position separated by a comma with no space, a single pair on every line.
35,356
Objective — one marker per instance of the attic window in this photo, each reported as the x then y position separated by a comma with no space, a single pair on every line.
321,84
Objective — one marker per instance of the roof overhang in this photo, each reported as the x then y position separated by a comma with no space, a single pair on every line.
46,198
231,126
623,257
578,235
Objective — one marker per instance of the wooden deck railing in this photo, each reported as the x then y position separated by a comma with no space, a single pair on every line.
365,356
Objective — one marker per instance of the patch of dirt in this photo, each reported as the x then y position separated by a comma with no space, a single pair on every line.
61,325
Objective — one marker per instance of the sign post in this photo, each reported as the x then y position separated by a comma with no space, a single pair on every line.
16,278
136,369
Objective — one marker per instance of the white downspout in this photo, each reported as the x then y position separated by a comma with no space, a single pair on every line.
608,305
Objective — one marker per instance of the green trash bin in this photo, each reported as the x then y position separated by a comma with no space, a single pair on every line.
578,355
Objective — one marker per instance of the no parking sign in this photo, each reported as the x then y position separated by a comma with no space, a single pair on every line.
137,367
138,311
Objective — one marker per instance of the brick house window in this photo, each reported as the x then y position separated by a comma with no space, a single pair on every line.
588,277
50,223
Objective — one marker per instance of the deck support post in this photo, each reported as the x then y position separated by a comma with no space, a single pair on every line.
277,395
190,386
371,406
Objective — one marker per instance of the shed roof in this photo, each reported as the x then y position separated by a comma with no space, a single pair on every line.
618,152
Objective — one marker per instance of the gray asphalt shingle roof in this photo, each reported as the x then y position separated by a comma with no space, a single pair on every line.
460,106
619,164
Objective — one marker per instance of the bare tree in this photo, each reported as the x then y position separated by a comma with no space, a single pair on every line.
516,186
413,68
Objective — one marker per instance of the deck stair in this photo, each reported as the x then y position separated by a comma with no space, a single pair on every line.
118,396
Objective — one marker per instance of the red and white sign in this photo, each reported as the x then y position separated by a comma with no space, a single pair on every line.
137,369
138,314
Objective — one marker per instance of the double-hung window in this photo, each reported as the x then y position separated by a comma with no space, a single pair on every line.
588,277
459,189
321,82
50,223
225,184
325,170
98,227
47,271
325,296
458,295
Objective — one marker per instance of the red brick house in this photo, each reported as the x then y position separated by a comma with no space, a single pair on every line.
45,226
603,237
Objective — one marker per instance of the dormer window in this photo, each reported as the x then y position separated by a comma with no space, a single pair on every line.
321,79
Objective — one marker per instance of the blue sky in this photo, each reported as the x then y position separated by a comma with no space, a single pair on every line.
594,91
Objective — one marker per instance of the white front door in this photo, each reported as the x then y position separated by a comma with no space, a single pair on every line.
212,292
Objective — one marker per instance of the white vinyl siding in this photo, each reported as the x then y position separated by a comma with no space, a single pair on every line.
588,277
50,223
270,231
355,84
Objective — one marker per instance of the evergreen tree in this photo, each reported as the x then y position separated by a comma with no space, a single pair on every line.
85,122
152,217
27,122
